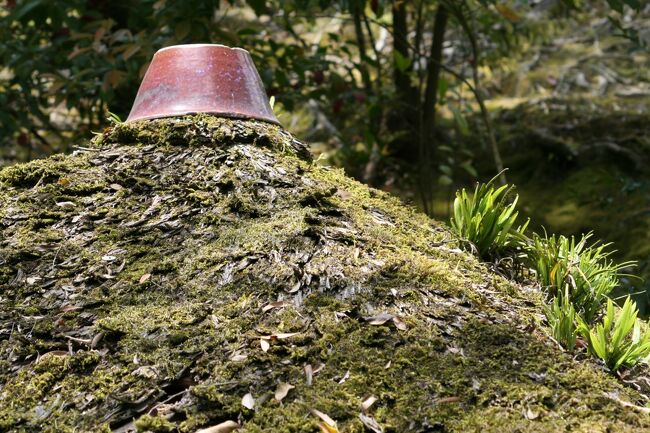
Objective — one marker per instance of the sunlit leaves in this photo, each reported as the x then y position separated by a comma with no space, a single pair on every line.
561,317
486,218
618,340
585,273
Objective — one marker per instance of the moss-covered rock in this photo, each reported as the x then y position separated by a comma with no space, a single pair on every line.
179,265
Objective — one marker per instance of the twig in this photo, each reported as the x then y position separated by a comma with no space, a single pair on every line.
624,403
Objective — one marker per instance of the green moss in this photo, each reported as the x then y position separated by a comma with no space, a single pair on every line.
154,424
211,259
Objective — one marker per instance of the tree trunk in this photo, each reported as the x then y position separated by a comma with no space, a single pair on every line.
404,116
427,124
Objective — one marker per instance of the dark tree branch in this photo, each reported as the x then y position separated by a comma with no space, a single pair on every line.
426,132
373,45
434,66
401,46
459,14
361,42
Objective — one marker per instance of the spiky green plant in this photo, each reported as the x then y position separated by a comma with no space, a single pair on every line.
618,340
563,320
584,272
487,219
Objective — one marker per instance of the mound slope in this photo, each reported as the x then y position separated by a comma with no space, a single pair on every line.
181,273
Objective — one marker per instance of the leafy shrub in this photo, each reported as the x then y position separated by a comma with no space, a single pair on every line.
487,219
563,320
585,273
618,340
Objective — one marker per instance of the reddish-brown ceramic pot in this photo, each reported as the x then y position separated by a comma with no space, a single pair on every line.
202,78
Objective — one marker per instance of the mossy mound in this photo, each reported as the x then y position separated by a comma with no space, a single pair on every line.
156,279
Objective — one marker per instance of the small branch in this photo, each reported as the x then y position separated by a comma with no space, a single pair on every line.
434,66
361,42
641,409
373,45
460,16
401,46
289,27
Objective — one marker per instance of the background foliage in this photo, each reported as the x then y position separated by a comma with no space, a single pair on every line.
370,75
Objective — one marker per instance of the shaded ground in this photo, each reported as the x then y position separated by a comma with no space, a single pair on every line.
180,273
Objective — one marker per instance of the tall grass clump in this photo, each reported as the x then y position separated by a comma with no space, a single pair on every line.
578,277
617,340
584,272
487,219
563,320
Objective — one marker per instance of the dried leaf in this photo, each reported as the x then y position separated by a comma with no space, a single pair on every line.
379,319
445,400
282,390
238,357
507,12
32,280
365,405
279,336
96,339
144,278
325,428
248,401
224,427
131,50
328,421
399,324
370,422
530,414
345,377
282,336
309,372
265,344
295,288
277,304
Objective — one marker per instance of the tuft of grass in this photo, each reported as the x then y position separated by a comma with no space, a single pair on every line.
563,320
487,219
617,340
584,272
578,277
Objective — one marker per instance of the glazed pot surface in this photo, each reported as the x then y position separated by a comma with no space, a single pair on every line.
202,78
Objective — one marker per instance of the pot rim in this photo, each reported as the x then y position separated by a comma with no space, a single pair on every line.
185,46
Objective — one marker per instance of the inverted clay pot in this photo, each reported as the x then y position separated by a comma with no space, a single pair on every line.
202,78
